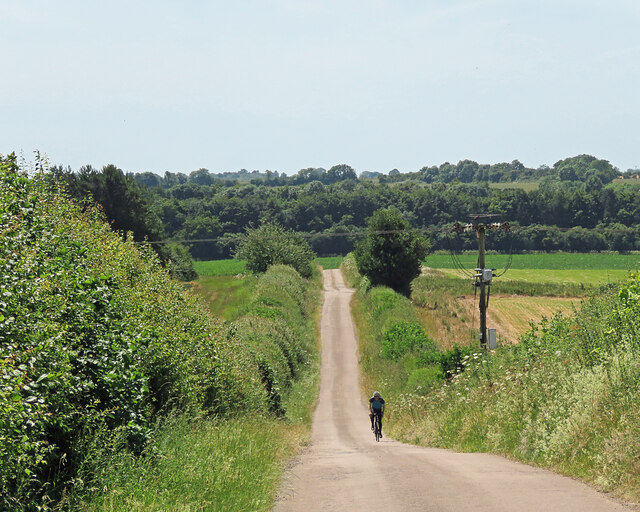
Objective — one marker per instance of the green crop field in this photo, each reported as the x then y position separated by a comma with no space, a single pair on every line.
330,262
555,276
235,267
538,261
535,285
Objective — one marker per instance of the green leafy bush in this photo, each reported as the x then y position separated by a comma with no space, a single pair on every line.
391,253
178,261
423,380
271,244
452,361
403,337
98,343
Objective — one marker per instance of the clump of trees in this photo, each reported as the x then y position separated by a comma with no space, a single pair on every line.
271,244
573,206
392,252
128,207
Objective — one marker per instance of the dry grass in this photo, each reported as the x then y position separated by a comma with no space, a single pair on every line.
457,319
512,315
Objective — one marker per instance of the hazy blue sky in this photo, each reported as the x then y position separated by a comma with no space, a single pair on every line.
288,84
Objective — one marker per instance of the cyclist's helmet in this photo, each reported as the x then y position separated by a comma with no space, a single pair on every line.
376,393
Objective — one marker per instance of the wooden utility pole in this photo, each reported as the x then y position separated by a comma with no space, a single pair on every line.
483,276
483,284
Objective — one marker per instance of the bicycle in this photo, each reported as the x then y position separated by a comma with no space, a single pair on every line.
377,427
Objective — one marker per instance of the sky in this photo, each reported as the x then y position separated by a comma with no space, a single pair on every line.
289,84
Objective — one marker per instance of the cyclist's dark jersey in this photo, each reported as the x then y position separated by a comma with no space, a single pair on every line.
376,405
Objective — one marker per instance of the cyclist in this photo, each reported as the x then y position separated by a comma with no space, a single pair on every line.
376,407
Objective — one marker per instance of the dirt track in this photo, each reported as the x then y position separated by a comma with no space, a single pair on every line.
344,469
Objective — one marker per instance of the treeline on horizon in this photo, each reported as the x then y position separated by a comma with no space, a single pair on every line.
578,204
578,168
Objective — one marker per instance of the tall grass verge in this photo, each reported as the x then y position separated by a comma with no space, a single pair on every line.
540,402
203,464
200,465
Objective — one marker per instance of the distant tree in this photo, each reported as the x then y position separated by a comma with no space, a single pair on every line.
271,244
187,191
517,165
339,173
309,174
314,187
148,179
174,178
201,177
369,174
392,252
125,203
593,183
466,170
579,168
429,174
202,227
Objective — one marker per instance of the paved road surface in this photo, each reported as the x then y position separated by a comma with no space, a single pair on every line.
344,469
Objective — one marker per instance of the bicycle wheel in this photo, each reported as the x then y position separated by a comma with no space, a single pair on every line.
377,429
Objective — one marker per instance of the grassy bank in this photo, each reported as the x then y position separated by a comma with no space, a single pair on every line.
223,294
395,352
201,465
566,397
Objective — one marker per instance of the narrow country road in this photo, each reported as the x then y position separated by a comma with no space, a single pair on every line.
344,469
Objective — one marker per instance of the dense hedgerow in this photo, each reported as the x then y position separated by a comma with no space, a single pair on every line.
97,340
275,328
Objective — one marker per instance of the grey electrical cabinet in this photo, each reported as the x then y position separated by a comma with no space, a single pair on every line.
493,340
